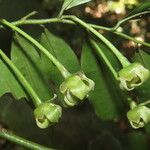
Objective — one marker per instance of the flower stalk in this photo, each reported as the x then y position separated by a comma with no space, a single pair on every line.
65,73
123,60
26,21
145,103
35,98
44,112
71,90
132,74
21,141
99,50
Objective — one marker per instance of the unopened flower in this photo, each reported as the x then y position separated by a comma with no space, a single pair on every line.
139,116
47,114
132,76
76,88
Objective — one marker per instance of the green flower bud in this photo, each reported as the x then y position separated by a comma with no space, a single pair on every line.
75,88
47,114
132,76
138,116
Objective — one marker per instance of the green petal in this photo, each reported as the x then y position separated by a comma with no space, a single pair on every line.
47,114
132,76
139,116
76,88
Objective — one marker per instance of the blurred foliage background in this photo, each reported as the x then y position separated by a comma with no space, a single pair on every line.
79,128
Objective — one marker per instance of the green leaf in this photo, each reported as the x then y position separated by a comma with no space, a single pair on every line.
72,3
28,61
137,141
103,98
142,7
143,91
62,51
9,83
143,57
119,97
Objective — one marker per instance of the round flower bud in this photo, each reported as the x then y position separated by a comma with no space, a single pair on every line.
76,88
47,114
138,116
132,76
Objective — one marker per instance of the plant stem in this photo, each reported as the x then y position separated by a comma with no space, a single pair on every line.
123,60
21,141
55,20
128,18
58,20
29,15
104,58
64,7
131,103
131,38
61,12
145,103
65,73
23,81
41,21
120,34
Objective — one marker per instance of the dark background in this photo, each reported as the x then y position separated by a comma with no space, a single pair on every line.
79,128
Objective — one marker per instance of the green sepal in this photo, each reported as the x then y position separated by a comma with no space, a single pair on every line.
47,114
76,88
133,76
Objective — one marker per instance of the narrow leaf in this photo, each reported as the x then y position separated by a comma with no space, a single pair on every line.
143,91
118,95
62,51
101,97
9,83
72,3
28,61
